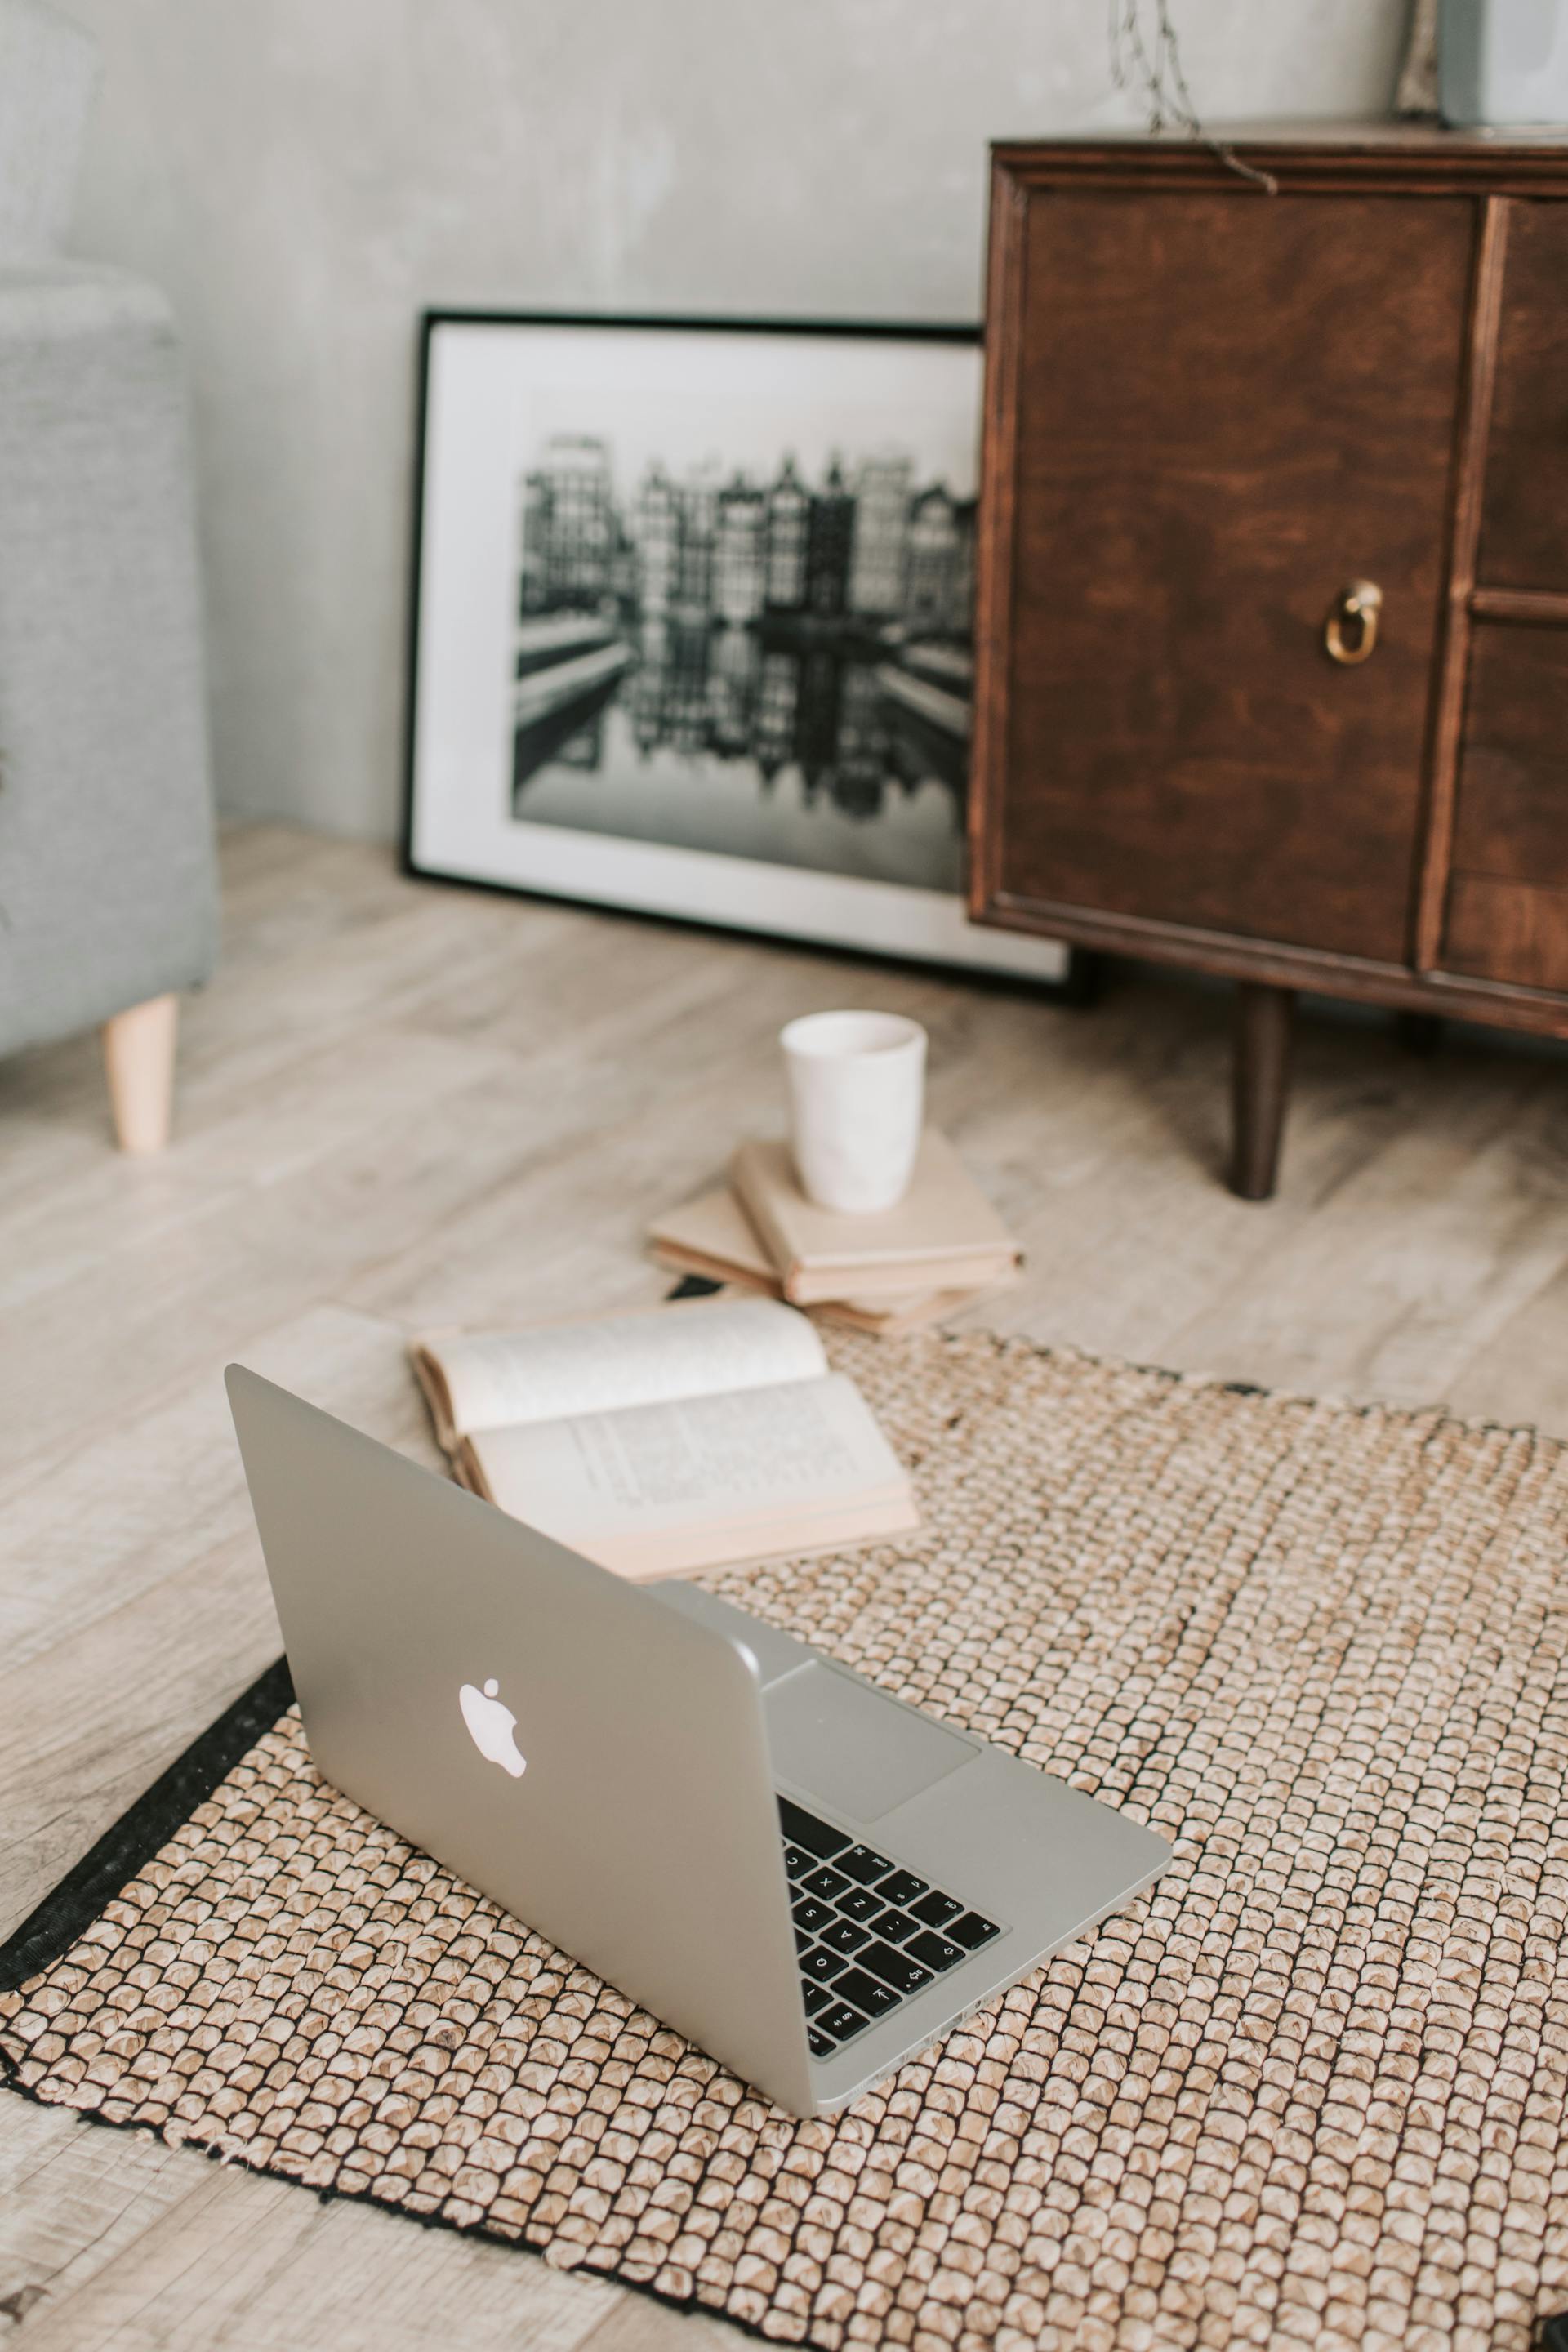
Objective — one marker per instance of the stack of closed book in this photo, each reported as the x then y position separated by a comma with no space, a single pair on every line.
941,1246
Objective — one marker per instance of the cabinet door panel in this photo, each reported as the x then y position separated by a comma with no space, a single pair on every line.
1524,521
1229,407
1508,896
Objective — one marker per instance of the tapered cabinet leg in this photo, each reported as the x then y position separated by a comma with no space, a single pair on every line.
139,1056
1420,1033
1261,1081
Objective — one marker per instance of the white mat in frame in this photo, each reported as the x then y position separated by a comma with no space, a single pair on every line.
496,390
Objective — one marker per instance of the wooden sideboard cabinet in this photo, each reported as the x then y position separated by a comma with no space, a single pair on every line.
1272,626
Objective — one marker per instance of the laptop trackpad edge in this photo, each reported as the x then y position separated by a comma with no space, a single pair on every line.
837,1738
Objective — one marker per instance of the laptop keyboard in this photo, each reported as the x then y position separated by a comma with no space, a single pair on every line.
869,1933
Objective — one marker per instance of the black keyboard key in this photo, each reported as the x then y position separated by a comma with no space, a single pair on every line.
935,1909
824,1882
862,1864
820,1966
894,1968
972,1931
797,1861
897,1925
804,1939
810,1915
802,1828
820,2045
934,1951
843,1935
860,1903
816,1997
901,1889
867,1992
840,2021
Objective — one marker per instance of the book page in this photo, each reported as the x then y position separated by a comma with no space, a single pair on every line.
804,1448
496,1379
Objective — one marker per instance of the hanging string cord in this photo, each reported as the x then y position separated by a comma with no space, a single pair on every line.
1160,80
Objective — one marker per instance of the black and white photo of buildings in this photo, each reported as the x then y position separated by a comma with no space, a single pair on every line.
691,627
771,662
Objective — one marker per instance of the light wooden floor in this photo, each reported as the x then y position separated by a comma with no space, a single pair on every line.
401,1106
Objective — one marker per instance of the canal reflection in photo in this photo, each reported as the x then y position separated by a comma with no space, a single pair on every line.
775,668
692,629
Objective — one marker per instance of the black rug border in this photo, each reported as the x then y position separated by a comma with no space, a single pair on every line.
82,1897
689,2305
84,1893
130,1843
145,1827
66,1913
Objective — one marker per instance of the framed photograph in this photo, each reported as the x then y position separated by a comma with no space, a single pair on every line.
692,624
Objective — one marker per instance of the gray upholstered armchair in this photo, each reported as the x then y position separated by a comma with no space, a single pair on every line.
108,895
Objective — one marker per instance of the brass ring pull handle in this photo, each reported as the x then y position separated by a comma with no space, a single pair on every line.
1360,607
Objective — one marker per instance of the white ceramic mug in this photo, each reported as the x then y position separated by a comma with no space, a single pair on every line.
857,1084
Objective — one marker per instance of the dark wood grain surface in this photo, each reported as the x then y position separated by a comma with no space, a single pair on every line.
1508,904
1514,931
1228,410
1513,819
1208,410
1524,529
1472,428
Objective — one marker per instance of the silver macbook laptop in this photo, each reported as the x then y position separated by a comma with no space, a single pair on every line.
809,1879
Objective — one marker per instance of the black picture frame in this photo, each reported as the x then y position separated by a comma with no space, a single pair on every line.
994,956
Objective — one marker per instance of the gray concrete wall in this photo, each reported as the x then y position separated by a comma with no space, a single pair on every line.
303,175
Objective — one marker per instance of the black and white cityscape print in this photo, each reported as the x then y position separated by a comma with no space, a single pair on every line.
773,665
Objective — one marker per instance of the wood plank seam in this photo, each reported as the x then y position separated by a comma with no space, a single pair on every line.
1478,388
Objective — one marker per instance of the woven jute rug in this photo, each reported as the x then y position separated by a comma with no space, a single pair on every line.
1311,2088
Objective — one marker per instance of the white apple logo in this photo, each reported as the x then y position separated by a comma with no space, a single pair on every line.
490,1727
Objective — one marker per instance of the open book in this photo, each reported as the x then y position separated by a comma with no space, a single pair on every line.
689,1435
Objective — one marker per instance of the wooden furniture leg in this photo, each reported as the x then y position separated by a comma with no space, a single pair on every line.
1260,1079
139,1056
1420,1033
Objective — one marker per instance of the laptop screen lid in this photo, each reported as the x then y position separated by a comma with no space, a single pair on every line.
592,1759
